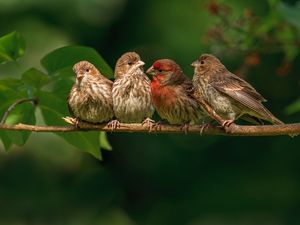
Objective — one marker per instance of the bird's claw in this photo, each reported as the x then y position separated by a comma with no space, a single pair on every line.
156,126
203,127
184,128
226,125
113,125
77,122
149,123
71,120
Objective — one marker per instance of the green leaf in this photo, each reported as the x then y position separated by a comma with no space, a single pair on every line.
290,13
62,86
9,93
66,57
10,87
12,47
35,78
24,113
7,143
11,90
53,109
293,108
104,142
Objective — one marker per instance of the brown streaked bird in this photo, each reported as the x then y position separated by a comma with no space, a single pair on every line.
229,96
131,92
172,94
90,98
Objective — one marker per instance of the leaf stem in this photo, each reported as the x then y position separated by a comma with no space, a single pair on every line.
34,101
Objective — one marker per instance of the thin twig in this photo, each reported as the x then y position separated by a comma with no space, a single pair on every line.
236,130
18,102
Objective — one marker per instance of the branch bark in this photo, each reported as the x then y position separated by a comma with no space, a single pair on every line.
235,130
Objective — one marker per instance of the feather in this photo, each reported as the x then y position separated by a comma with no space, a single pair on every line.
244,93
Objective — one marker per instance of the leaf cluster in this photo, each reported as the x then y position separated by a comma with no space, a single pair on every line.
50,87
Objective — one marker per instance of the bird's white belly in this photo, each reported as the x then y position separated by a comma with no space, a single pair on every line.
222,104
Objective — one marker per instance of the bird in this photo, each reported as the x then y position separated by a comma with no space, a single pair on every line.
131,92
90,98
172,94
228,95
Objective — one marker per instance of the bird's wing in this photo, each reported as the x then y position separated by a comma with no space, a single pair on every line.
237,82
190,92
242,92
188,87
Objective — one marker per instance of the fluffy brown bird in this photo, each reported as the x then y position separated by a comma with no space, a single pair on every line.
172,94
229,96
131,91
90,98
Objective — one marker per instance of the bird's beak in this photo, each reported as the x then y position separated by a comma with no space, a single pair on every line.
151,71
140,63
80,77
195,63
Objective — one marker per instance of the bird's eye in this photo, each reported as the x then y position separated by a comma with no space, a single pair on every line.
202,62
130,63
160,71
87,70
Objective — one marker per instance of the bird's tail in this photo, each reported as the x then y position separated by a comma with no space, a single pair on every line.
276,121
270,117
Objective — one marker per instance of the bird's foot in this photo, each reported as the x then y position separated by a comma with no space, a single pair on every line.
156,126
71,120
226,125
113,125
74,121
203,127
77,122
149,123
184,128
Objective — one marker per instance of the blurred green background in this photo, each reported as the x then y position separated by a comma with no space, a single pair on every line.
157,178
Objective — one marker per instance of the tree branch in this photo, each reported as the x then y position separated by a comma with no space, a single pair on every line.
235,130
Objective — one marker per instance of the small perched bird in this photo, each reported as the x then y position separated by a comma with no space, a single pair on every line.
229,96
90,98
131,91
172,94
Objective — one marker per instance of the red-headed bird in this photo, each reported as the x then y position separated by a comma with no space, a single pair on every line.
172,94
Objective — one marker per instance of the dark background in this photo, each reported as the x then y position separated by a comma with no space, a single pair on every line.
151,178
